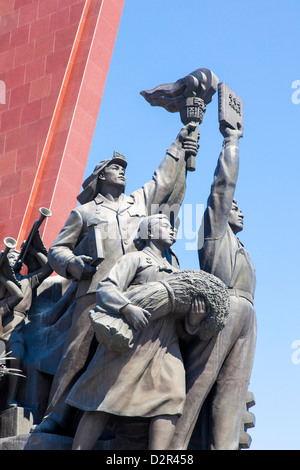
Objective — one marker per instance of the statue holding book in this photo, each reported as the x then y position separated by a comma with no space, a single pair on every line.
99,237
218,371
111,217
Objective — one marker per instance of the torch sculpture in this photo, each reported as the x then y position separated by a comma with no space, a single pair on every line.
188,96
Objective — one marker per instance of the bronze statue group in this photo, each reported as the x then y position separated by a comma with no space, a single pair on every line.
135,356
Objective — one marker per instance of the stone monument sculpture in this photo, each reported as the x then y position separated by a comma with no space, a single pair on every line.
10,295
129,311
16,291
116,383
104,205
223,364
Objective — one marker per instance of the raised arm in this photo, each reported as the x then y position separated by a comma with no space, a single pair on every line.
223,187
169,180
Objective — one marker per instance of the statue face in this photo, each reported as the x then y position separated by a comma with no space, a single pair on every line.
12,258
114,175
236,218
162,233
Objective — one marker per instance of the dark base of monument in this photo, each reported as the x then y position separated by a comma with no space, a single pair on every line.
15,426
44,441
16,423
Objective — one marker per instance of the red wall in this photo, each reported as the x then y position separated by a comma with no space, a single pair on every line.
54,59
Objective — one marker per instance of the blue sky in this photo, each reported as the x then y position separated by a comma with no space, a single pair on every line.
254,47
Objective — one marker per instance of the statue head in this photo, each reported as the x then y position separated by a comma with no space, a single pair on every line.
12,257
236,218
155,228
92,184
113,174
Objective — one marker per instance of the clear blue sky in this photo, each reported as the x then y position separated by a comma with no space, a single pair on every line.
254,47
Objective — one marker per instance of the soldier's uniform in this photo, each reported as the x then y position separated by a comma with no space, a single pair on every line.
118,226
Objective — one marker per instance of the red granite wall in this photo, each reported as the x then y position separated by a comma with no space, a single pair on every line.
54,59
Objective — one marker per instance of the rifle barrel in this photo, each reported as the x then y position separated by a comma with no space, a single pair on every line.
44,213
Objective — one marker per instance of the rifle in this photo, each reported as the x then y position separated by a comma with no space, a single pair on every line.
26,245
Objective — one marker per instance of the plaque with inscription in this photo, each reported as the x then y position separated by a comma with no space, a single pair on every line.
91,245
230,107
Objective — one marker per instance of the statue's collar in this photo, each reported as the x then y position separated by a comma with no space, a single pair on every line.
163,263
116,206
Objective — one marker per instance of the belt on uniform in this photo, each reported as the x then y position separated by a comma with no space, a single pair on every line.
241,293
